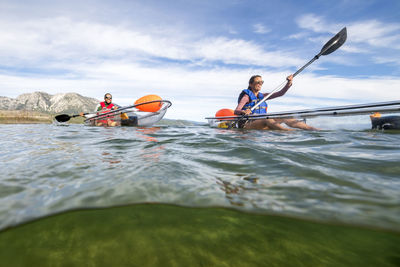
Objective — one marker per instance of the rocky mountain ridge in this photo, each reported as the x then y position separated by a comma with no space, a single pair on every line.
44,102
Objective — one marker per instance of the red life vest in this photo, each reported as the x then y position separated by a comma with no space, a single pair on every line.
105,109
103,106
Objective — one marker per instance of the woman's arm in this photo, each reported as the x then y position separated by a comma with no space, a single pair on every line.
283,90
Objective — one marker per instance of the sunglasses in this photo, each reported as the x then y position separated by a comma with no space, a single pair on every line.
259,82
108,98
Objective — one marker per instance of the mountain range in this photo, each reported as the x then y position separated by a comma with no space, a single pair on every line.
44,102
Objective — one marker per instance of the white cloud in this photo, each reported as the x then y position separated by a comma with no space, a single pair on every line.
375,33
260,28
316,24
372,32
63,39
300,35
237,51
386,60
379,39
365,90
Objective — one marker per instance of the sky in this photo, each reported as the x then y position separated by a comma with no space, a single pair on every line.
201,54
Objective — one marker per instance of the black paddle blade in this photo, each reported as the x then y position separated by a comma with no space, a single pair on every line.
62,118
334,43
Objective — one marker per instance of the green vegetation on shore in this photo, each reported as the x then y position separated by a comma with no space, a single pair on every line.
24,116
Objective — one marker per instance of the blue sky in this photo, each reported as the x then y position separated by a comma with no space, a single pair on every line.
200,54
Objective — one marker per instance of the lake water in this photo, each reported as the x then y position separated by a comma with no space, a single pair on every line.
333,179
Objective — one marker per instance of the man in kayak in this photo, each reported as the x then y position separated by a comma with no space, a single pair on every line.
103,108
251,96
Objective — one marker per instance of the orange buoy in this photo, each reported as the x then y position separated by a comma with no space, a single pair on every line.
150,107
224,113
376,115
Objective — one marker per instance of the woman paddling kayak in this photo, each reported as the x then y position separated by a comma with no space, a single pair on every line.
249,97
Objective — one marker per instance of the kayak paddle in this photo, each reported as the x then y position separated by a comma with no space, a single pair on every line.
66,117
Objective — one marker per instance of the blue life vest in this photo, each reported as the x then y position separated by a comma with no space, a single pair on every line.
261,109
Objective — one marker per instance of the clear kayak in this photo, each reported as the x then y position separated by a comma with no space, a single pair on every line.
129,116
391,122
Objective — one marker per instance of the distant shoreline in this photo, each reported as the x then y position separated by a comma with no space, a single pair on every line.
24,117
36,117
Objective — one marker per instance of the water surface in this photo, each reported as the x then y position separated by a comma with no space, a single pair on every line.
334,176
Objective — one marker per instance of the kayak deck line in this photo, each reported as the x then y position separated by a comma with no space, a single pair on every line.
382,107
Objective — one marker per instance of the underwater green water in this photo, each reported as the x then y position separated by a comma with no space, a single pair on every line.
168,235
